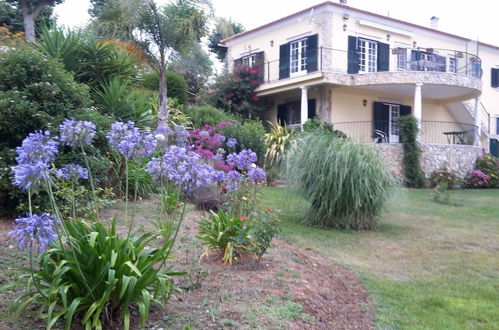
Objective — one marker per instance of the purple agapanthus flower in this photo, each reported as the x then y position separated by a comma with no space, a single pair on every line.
182,167
37,147
76,132
231,143
233,179
242,160
256,174
130,141
181,135
218,176
72,172
30,176
35,228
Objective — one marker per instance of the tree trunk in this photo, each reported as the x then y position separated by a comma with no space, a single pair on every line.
29,18
163,97
29,27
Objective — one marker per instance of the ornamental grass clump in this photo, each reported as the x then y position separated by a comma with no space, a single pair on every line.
346,183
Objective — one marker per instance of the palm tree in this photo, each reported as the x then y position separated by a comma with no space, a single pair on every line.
168,29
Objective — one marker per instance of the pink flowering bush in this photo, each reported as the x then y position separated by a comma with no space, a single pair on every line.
445,175
489,165
477,179
235,92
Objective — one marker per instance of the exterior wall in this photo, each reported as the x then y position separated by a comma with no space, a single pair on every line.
460,158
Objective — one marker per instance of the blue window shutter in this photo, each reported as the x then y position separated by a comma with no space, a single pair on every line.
405,110
312,52
383,57
284,61
353,56
494,74
312,112
497,126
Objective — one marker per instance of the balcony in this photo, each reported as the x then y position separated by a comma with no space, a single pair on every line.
455,73
432,132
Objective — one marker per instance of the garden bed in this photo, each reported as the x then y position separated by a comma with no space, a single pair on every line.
291,288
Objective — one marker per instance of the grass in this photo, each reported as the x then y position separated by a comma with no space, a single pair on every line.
430,265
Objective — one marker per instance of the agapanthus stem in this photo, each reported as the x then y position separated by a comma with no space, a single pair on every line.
134,206
29,203
32,271
126,187
73,198
91,179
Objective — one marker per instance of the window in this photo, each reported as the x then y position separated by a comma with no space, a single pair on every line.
367,50
298,56
401,59
452,65
249,60
494,74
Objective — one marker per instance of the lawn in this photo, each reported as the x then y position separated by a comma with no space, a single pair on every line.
430,265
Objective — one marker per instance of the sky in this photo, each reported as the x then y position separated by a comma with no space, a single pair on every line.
470,19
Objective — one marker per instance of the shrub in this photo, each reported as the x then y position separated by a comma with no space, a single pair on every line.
477,179
205,115
315,124
35,93
441,193
414,176
347,184
445,175
489,165
140,181
235,93
176,85
249,135
237,236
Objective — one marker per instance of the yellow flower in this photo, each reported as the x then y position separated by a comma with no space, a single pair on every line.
245,198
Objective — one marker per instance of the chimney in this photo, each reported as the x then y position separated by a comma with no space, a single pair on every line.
343,2
434,22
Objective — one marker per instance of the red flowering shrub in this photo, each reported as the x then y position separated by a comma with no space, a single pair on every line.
477,179
235,92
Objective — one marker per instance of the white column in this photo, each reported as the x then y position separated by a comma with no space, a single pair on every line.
478,121
418,107
304,106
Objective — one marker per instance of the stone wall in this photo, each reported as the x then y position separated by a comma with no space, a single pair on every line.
460,158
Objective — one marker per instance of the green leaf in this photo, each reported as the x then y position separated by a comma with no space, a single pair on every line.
92,238
133,267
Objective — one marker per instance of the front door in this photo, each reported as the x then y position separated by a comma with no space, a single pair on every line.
393,127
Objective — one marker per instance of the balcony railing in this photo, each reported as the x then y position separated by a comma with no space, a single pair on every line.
400,59
438,132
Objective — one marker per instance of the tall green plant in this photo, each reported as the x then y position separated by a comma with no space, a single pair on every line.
414,176
278,140
347,184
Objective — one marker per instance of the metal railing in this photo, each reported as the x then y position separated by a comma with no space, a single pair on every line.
438,132
400,59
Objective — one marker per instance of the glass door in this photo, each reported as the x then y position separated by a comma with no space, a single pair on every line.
368,55
393,124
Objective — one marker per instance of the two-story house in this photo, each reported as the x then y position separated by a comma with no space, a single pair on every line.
360,71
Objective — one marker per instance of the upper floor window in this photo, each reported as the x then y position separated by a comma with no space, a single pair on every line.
249,60
452,65
298,56
368,57
401,59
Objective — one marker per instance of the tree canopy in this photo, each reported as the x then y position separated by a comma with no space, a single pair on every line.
224,28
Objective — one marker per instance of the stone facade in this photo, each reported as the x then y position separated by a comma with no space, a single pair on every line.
460,158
